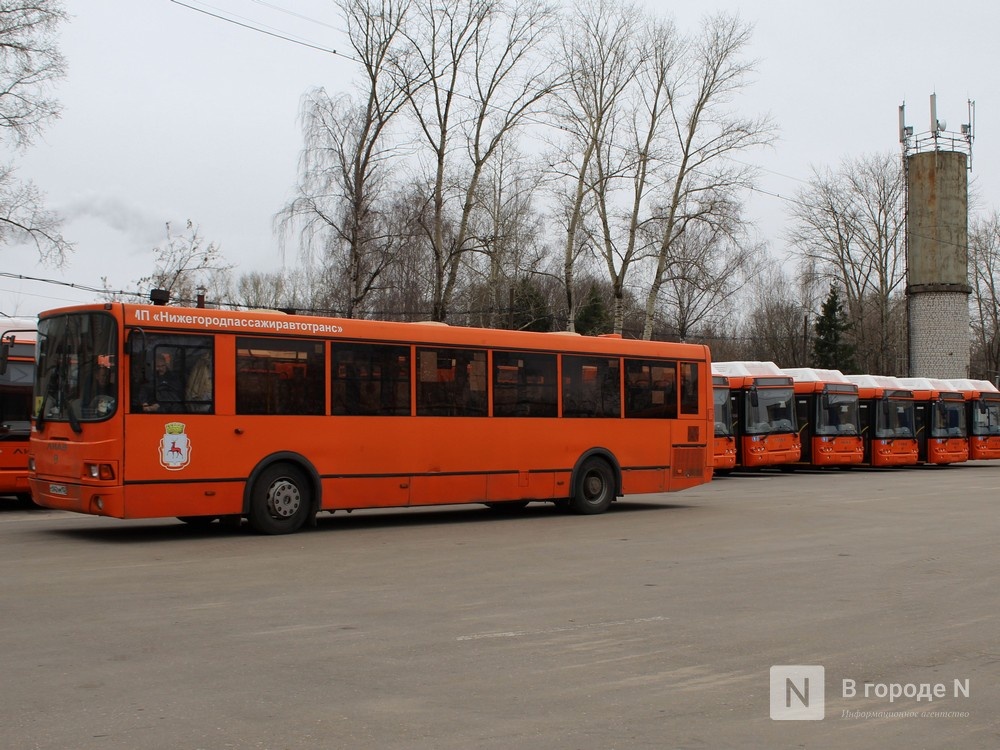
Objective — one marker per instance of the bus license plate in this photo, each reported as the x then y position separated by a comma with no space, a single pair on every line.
58,489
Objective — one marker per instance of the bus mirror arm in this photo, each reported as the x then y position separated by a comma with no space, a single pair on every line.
6,342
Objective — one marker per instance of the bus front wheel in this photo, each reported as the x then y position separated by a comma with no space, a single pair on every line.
279,503
595,488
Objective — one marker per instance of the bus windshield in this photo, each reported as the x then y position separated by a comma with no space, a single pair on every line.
770,410
986,418
723,412
838,414
948,419
77,374
894,419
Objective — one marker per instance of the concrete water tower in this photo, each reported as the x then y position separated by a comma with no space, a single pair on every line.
936,166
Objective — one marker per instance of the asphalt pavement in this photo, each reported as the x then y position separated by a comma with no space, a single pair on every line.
809,609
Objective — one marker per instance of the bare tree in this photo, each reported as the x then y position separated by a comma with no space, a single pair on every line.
344,164
183,265
601,57
472,76
708,265
984,262
777,326
30,63
504,235
706,135
849,226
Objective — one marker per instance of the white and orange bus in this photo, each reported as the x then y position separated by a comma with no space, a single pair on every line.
724,452
887,415
17,375
942,434
763,409
982,417
826,408
203,414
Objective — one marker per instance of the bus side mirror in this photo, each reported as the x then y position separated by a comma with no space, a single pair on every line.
754,400
4,355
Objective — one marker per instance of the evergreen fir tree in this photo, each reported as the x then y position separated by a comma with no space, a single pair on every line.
831,351
531,310
593,317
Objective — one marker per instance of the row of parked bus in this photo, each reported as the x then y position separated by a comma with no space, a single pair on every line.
770,416
17,375
144,411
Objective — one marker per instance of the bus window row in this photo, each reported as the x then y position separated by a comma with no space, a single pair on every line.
174,374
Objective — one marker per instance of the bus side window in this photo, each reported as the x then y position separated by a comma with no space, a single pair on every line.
689,388
198,389
280,376
172,374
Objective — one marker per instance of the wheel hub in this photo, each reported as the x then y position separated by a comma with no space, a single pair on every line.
283,499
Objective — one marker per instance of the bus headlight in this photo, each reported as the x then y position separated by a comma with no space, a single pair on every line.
99,471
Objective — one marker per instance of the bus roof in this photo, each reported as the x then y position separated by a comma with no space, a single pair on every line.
876,386
257,323
815,375
974,388
752,373
818,380
745,368
933,388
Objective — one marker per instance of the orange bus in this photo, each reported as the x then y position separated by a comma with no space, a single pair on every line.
205,414
763,413
887,414
17,375
942,436
826,407
982,417
724,454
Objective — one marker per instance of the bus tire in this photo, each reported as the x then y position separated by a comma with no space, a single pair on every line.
280,500
595,488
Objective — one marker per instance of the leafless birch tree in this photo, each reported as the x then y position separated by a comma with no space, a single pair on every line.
344,163
30,63
984,262
601,55
473,72
849,226
706,135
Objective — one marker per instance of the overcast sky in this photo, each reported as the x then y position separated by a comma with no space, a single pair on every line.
170,114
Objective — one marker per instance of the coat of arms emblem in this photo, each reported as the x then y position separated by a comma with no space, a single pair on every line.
175,448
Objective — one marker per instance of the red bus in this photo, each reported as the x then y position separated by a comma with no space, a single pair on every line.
725,440
763,413
826,406
17,375
206,414
982,417
887,413
942,436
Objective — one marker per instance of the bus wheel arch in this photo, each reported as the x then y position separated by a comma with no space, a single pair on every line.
282,494
595,482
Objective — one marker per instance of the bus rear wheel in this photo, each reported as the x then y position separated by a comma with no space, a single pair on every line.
280,500
595,488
